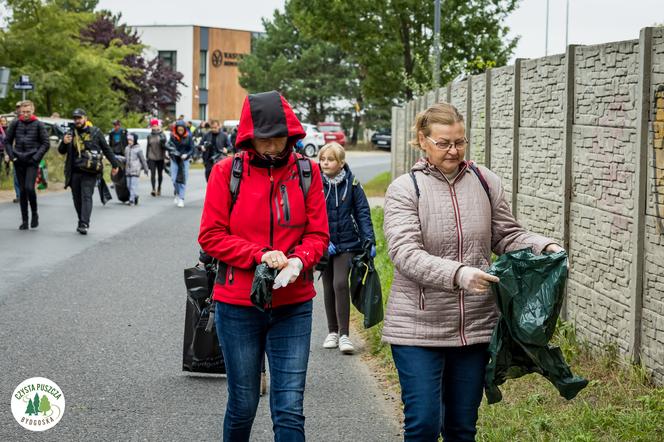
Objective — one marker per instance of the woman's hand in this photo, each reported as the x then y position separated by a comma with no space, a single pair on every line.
289,273
474,280
275,259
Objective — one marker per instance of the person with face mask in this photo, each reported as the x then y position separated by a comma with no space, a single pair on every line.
274,222
214,145
26,143
84,147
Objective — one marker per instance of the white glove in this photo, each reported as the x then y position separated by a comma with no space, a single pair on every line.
184,157
474,280
288,274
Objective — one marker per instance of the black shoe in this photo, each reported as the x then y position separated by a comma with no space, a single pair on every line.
136,201
153,193
15,200
24,225
35,221
82,229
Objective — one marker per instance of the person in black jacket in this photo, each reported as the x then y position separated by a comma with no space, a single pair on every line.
351,231
82,147
117,138
179,149
156,154
26,143
214,145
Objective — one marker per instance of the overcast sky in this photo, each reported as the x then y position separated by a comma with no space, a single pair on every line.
591,21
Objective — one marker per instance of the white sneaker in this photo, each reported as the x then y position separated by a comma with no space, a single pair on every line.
176,200
331,341
181,203
345,345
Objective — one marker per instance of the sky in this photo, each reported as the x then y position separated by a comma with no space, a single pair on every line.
591,21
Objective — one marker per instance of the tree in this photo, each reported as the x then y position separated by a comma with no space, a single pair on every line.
31,408
35,402
152,84
314,75
44,405
392,40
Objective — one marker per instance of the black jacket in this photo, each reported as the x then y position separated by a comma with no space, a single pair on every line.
178,147
348,214
118,147
26,141
97,143
214,153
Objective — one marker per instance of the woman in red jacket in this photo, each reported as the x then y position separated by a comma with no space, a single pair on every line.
270,222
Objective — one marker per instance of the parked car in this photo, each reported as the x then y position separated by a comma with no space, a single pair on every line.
332,132
143,133
313,140
382,139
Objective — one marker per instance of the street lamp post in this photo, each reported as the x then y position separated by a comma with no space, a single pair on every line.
546,36
436,44
567,24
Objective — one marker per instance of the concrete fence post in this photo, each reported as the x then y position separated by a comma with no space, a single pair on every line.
516,123
449,92
640,191
487,118
469,115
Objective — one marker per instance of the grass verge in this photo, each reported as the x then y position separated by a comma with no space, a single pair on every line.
619,404
377,186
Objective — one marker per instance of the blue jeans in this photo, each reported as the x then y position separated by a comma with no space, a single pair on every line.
179,188
441,388
245,334
132,184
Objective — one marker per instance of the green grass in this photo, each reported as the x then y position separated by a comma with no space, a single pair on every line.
619,404
377,186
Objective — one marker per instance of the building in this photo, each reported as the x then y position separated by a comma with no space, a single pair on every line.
208,59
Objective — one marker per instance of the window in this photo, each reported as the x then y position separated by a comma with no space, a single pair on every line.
202,79
170,58
202,112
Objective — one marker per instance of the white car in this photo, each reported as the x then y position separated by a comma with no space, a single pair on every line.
313,140
143,133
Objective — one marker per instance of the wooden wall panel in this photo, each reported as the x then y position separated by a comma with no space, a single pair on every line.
196,72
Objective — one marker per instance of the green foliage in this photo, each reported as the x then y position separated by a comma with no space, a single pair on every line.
312,74
377,186
43,40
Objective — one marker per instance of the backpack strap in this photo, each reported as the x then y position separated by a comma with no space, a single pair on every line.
485,185
304,172
236,176
417,188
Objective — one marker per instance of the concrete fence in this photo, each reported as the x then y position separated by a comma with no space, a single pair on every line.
578,140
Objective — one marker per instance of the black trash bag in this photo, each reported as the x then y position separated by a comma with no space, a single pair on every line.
201,351
529,297
365,291
120,181
104,194
261,287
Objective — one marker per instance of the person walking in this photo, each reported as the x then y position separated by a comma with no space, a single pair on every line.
270,220
117,138
4,158
441,223
26,143
156,153
351,231
214,146
83,164
134,163
180,148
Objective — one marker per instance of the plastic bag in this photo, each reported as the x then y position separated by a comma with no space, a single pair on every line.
529,297
365,290
201,351
261,287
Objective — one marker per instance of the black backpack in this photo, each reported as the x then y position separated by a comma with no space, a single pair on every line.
303,171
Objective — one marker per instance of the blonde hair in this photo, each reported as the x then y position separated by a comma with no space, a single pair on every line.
27,103
439,113
337,150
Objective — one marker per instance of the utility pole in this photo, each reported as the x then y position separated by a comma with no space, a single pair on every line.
436,44
546,37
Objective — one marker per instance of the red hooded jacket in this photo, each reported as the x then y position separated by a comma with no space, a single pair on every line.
270,212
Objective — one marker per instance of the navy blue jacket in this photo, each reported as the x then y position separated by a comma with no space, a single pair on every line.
180,146
348,214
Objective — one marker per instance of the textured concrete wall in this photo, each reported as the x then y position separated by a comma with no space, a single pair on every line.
606,98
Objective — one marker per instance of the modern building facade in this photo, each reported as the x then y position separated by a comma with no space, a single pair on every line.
208,59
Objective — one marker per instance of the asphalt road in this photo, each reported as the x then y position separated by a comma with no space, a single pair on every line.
102,316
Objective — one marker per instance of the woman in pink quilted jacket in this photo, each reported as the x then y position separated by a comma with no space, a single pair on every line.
442,221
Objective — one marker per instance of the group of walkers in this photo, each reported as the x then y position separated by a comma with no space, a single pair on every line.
441,225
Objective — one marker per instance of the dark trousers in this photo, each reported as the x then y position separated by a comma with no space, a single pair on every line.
337,293
156,168
26,176
441,388
82,188
246,334
208,171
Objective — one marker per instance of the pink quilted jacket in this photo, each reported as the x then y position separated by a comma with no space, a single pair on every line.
429,237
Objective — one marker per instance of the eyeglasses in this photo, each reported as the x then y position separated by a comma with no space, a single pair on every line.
459,144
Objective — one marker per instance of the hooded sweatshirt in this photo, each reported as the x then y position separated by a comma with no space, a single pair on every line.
270,212
180,145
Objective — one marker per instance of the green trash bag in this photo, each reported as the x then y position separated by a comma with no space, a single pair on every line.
529,297
365,291
261,287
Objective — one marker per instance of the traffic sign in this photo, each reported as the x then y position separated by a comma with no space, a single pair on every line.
24,86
